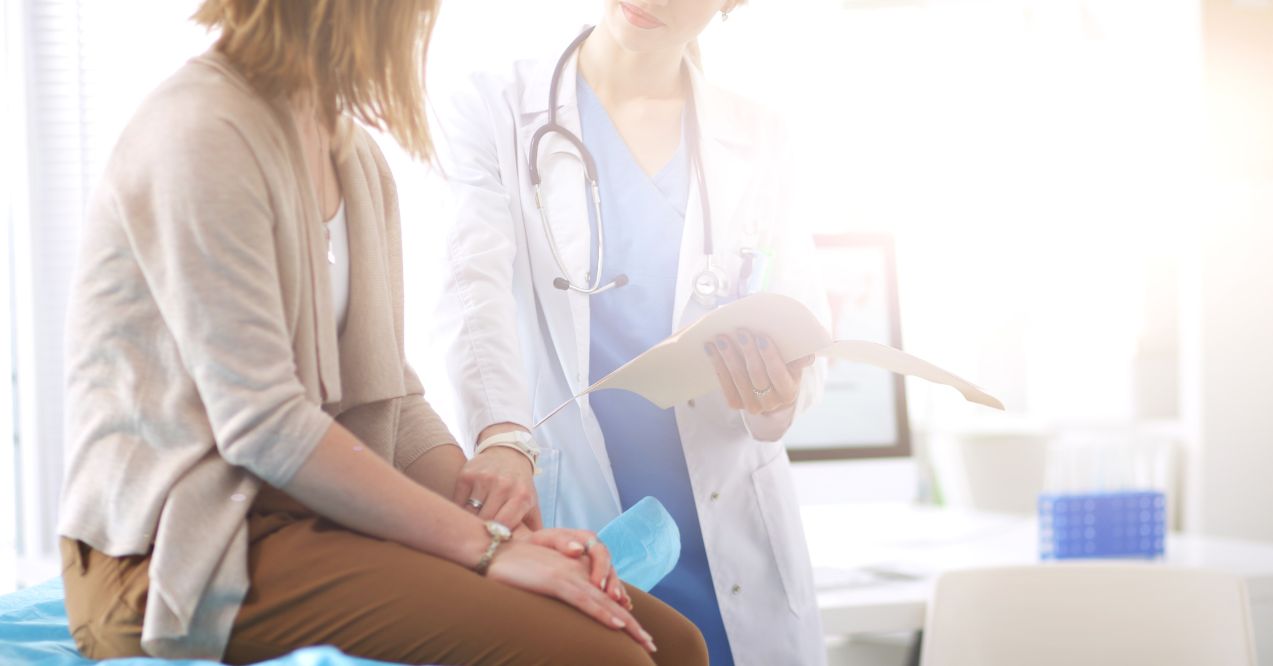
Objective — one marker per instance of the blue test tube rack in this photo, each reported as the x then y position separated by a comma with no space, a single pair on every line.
1120,524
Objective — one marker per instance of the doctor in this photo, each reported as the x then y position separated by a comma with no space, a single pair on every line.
607,198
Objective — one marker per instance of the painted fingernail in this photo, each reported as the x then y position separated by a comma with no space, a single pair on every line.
743,337
707,348
762,342
722,343
575,546
618,623
651,646
648,638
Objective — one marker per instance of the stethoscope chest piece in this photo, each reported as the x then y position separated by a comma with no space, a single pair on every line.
709,284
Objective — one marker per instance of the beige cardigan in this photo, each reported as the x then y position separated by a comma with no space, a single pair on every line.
202,352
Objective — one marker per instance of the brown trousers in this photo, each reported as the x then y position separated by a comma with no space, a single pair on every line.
315,583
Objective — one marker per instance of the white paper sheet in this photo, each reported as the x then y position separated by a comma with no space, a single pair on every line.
678,370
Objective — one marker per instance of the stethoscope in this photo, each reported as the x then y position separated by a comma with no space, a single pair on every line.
709,284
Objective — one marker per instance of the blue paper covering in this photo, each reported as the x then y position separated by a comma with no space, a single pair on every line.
33,631
644,543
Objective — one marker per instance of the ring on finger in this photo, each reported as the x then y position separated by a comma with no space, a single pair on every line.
587,546
761,393
475,503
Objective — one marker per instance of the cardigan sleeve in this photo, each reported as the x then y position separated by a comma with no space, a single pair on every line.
199,219
420,429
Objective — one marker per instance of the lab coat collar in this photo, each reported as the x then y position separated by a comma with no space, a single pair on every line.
726,161
566,312
534,97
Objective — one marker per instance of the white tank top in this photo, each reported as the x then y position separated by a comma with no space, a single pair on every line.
339,270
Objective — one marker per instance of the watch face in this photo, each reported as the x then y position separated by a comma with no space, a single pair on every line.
498,531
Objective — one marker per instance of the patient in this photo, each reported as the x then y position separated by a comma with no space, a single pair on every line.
253,466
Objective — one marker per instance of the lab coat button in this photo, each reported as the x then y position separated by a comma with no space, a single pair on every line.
690,403
736,589
715,496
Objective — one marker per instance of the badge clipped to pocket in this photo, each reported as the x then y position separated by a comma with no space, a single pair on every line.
754,273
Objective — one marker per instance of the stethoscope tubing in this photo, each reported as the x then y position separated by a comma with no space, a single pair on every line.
693,137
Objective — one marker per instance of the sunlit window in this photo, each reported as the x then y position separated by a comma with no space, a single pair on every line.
1031,159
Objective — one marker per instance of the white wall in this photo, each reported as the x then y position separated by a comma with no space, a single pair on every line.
1232,462
1229,314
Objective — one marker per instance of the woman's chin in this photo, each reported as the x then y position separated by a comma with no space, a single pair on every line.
635,39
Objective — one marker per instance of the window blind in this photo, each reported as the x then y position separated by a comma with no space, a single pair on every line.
10,173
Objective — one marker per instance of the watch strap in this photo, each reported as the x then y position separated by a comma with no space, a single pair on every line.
518,440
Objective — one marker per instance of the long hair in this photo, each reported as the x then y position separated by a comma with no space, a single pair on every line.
364,58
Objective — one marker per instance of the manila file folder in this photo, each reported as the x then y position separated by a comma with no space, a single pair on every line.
676,370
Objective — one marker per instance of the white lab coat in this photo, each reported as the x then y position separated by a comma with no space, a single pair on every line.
517,346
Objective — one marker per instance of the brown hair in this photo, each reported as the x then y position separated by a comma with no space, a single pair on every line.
360,57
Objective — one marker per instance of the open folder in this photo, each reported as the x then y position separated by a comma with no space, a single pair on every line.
676,370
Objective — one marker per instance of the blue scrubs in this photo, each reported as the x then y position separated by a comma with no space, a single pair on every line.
643,219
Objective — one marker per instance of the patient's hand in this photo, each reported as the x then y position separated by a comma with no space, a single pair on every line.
580,544
585,545
500,479
546,570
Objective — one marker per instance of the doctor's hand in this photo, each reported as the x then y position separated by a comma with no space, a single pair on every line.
753,375
498,484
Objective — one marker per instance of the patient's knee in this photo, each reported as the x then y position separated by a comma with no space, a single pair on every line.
680,642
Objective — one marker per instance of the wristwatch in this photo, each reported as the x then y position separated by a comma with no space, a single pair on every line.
519,440
499,534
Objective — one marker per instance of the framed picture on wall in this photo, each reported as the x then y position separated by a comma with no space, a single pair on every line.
862,413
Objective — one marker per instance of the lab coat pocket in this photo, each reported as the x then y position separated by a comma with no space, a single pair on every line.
546,484
776,495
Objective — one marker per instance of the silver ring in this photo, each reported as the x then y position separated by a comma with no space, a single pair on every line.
587,546
760,393
476,503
